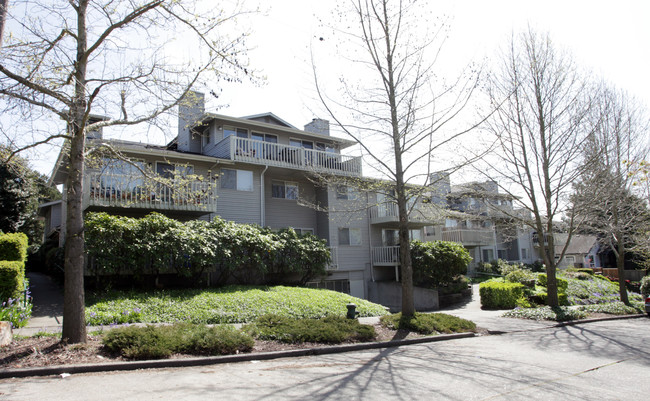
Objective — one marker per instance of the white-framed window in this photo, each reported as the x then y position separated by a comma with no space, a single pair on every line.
570,260
301,143
346,193
488,255
303,231
524,253
284,189
349,236
240,180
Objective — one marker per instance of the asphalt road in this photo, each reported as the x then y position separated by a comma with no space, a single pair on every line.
596,361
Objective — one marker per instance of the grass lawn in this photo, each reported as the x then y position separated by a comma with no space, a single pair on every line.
231,304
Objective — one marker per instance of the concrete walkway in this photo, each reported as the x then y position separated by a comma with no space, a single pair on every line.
47,298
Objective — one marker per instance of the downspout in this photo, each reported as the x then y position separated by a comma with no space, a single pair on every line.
262,205
372,266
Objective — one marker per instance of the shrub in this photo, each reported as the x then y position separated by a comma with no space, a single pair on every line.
13,247
455,286
331,329
541,297
645,286
562,284
12,279
500,295
537,266
428,323
614,308
155,342
506,268
521,276
437,263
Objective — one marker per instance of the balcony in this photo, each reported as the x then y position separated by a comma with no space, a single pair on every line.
385,256
273,154
387,214
468,237
135,192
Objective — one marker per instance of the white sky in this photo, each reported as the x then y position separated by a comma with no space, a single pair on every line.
606,37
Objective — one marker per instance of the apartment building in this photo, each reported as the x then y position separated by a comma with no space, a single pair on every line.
256,169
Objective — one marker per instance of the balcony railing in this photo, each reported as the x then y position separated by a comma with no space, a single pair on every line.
388,212
385,255
115,190
466,236
273,154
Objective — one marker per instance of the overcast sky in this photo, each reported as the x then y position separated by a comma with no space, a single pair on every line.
608,38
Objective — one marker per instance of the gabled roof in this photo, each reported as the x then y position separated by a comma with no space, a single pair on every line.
267,117
579,245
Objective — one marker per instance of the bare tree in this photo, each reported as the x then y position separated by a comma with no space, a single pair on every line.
539,130
399,112
608,192
70,60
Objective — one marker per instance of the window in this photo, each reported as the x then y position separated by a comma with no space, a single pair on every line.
238,132
488,255
334,285
570,260
284,189
349,236
502,254
240,180
346,193
168,170
303,231
524,253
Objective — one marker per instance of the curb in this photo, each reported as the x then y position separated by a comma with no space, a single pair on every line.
213,360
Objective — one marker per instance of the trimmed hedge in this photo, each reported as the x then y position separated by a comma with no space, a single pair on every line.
562,284
12,279
540,298
645,286
13,247
500,295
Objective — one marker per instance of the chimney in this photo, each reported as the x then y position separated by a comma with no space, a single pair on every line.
318,126
190,111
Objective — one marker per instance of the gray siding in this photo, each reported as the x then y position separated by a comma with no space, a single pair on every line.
345,213
281,213
240,206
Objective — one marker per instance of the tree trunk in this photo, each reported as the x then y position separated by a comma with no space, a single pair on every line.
620,265
74,328
551,271
408,303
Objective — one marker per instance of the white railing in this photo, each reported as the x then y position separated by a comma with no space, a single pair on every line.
273,154
421,212
386,255
137,191
468,236
334,263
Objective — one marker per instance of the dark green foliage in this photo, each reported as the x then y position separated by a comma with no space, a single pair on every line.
155,342
246,253
428,323
558,314
21,191
455,286
328,330
541,296
500,295
13,247
12,279
437,263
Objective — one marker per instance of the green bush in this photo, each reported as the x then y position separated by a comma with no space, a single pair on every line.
16,312
438,263
521,276
500,295
613,308
155,342
12,279
246,253
562,284
428,323
541,297
645,286
329,330
581,270
13,247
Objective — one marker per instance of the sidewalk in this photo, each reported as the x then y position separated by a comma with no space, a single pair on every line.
47,298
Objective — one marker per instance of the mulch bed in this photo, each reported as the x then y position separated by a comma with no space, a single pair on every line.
49,351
